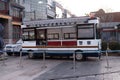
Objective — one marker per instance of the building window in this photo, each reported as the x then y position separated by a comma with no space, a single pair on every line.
16,12
23,1
2,6
16,32
16,1
4,0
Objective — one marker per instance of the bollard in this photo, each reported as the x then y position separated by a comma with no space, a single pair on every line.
13,54
108,65
44,63
3,59
74,62
20,61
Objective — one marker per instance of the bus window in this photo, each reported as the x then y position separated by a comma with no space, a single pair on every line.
53,36
41,37
40,34
69,36
69,33
28,34
85,32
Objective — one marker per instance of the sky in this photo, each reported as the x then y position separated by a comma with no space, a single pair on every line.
82,7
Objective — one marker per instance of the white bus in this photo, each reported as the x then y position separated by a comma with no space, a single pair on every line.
83,39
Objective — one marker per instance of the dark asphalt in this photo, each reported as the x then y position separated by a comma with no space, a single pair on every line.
91,69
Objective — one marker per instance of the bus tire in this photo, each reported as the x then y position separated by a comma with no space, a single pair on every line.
30,54
78,55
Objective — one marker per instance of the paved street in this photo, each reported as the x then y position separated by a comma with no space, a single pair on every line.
60,69
27,70
92,69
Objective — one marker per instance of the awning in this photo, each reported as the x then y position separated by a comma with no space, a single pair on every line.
5,16
16,23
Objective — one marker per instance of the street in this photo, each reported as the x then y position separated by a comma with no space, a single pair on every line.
92,69
27,69
59,69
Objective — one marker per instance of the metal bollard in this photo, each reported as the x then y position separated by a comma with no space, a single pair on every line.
74,62
108,65
44,63
3,58
13,54
20,61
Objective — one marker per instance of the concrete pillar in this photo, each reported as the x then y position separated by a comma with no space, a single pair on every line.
10,30
10,26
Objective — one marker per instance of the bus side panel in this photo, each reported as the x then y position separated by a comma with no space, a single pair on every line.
69,43
64,43
54,43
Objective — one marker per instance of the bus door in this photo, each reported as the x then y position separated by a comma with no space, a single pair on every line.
41,37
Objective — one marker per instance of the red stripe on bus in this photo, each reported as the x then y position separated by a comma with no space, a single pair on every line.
64,43
54,43
69,43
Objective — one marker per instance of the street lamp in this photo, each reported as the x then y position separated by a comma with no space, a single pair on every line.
115,27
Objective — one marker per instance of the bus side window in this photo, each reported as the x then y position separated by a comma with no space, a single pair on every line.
53,36
69,36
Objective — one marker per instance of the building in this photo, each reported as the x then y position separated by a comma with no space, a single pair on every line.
39,9
11,18
43,9
110,23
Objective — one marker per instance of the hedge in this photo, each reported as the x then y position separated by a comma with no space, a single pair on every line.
112,45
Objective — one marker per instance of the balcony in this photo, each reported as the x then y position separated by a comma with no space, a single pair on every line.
5,12
18,19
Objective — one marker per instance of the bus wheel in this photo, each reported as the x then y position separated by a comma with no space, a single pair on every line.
79,56
30,55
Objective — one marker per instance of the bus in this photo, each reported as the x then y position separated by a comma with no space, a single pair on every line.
82,38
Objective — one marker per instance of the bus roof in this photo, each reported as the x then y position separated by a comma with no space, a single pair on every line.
57,22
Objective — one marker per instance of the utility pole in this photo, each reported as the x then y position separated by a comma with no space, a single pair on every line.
116,35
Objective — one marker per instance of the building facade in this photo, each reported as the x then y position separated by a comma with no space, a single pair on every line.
43,9
11,18
110,23
38,9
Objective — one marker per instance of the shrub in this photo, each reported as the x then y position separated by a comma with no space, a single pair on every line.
104,45
112,45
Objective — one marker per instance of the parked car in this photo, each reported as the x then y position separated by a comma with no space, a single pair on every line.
13,49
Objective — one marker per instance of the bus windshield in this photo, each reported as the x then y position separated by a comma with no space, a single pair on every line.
85,31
